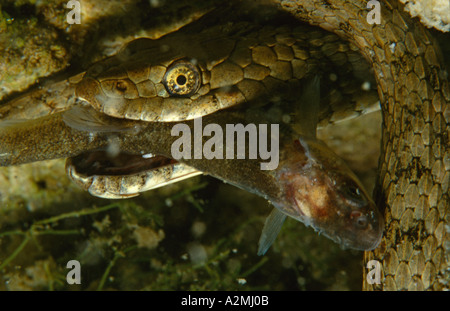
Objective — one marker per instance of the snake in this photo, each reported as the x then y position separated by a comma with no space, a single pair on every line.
413,171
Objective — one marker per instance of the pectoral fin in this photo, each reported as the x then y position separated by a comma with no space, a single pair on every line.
270,231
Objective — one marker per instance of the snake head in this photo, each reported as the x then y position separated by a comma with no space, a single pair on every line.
320,190
175,78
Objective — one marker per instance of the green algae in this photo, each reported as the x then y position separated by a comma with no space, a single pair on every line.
28,51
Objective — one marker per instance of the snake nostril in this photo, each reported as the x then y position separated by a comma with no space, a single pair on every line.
121,86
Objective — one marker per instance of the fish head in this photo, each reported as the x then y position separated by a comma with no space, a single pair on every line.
321,191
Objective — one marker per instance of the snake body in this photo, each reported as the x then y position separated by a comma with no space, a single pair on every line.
219,67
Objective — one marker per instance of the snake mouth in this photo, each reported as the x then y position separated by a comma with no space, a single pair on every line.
101,163
124,175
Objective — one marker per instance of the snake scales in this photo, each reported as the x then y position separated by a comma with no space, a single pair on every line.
414,169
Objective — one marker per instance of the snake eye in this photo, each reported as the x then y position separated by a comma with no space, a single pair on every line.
182,79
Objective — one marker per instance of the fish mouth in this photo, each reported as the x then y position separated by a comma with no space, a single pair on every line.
363,240
374,239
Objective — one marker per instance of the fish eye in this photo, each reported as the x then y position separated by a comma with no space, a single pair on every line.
182,79
352,191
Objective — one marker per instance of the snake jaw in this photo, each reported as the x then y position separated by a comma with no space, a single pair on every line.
123,175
